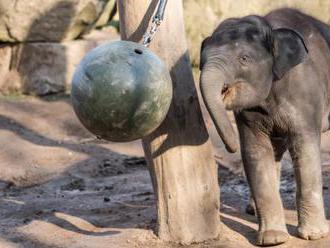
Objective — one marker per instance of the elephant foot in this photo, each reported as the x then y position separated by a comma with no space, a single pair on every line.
272,237
313,231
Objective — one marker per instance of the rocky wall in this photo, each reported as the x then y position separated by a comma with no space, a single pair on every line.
38,38
41,41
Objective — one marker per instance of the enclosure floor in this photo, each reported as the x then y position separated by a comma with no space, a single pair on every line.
59,187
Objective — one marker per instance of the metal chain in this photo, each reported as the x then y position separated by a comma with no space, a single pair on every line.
156,21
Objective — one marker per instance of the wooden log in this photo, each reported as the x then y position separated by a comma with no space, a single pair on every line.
179,153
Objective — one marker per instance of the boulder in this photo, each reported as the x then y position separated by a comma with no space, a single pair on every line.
41,68
9,81
107,14
50,21
5,57
47,68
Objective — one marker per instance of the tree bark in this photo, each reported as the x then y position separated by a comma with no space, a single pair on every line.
179,153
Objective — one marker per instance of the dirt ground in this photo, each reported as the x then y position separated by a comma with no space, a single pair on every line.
61,188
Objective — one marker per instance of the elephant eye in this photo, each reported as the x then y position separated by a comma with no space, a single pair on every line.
244,59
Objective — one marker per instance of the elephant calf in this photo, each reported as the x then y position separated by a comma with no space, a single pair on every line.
274,73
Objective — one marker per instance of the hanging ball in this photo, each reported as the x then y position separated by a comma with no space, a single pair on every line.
121,91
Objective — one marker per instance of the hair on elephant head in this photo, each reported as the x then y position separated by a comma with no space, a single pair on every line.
239,63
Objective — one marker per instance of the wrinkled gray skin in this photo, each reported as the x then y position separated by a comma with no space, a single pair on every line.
274,73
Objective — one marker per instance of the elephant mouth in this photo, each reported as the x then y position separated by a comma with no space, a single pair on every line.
228,93
224,89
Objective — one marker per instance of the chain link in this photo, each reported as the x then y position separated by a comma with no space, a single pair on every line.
156,21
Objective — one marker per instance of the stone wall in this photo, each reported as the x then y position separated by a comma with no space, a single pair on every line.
40,41
47,20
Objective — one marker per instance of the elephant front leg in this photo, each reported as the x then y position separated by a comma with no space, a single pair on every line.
251,207
305,153
261,171
279,147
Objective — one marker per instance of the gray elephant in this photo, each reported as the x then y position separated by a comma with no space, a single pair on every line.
274,73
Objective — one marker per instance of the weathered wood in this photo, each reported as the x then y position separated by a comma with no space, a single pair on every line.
179,153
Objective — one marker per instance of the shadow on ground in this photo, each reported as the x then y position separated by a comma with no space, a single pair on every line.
62,188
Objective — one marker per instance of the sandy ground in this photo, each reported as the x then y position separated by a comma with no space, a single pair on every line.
59,187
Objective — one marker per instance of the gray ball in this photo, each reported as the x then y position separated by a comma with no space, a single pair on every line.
121,91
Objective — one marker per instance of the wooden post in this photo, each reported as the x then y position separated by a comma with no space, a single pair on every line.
179,153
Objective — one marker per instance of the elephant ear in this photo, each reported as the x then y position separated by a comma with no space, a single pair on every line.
202,59
289,50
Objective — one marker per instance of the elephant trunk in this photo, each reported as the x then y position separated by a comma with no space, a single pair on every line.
211,84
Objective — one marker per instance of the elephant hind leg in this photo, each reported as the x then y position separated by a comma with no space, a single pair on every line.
305,153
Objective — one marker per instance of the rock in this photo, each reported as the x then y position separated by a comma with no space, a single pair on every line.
51,20
5,58
75,184
9,80
5,55
106,14
53,66
41,68
201,17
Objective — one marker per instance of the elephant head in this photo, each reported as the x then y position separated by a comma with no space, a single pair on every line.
240,62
